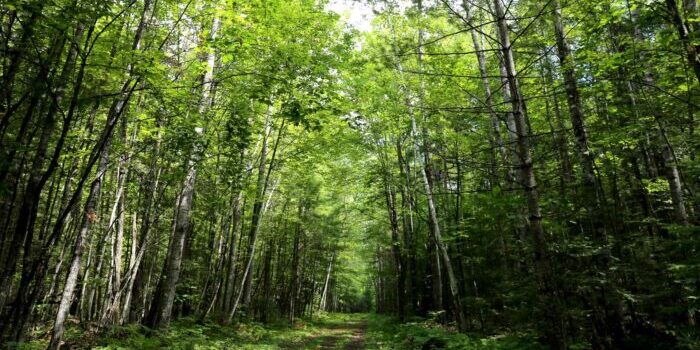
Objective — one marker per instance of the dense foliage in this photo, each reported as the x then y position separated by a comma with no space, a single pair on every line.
520,171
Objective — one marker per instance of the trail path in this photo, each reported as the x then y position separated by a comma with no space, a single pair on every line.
335,334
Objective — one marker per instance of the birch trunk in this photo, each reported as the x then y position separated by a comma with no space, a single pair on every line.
90,217
324,295
255,218
390,196
161,308
574,101
686,35
497,141
550,300
138,286
233,248
100,150
433,222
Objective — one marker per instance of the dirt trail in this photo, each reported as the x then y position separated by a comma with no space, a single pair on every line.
335,335
357,340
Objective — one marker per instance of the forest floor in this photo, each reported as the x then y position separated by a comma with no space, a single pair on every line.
327,331
335,332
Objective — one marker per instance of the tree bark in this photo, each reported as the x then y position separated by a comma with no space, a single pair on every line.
591,187
408,236
233,248
90,212
161,308
323,304
684,33
24,301
433,222
116,111
674,180
24,227
16,55
390,196
550,299
497,140
137,305
257,210
574,101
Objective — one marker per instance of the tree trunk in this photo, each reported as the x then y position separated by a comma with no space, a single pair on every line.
137,305
684,33
113,301
550,299
102,149
497,141
674,181
574,101
295,263
233,248
390,196
16,55
407,220
558,129
24,227
323,304
257,210
90,212
591,187
161,309
433,222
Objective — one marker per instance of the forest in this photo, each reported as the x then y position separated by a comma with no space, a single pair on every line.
264,174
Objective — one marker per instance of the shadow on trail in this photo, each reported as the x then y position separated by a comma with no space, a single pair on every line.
334,334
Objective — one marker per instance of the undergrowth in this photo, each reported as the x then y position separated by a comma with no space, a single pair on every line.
381,333
384,333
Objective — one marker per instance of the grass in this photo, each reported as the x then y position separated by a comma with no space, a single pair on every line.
327,331
383,333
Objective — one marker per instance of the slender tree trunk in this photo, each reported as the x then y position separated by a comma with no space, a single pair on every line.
116,110
233,248
497,141
323,305
432,212
138,290
113,302
24,227
407,220
34,270
258,207
131,273
390,196
295,263
90,212
161,309
674,181
574,101
257,210
686,36
558,129
591,187
16,56
550,299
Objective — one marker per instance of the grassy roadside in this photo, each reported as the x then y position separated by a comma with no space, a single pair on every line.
327,331
384,333
317,332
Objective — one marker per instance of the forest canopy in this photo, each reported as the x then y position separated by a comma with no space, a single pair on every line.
500,169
